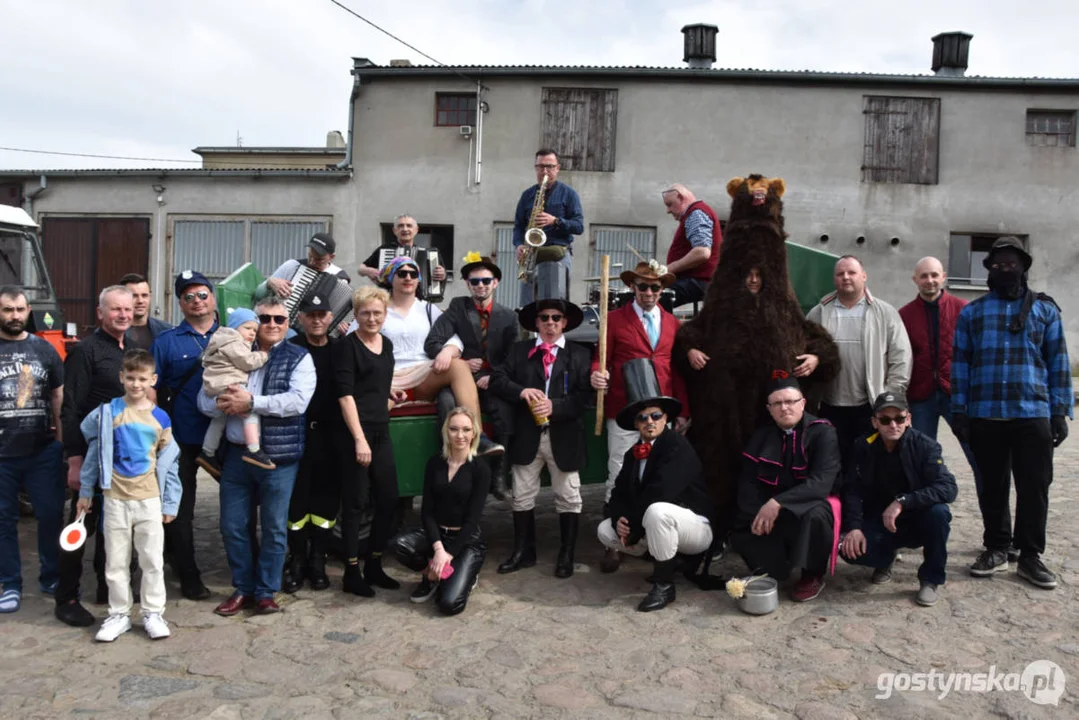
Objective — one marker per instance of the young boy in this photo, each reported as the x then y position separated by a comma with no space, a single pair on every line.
134,459
226,362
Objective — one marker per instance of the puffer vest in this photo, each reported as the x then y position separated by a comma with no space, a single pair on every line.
282,438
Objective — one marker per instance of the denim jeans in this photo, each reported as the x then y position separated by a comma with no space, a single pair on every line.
526,288
245,490
925,416
41,475
926,527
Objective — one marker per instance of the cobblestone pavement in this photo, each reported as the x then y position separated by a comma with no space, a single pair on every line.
530,645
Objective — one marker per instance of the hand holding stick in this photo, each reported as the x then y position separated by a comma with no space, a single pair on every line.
604,290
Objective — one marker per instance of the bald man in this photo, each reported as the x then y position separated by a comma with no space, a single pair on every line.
694,251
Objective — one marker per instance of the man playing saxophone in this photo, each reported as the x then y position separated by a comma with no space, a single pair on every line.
560,219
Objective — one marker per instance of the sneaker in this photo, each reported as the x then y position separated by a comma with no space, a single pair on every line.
423,591
927,595
10,601
259,459
881,575
155,626
113,627
1033,570
488,447
49,589
209,463
989,563
807,588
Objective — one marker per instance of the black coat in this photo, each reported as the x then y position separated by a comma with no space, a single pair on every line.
672,474
569,394
928,477
462,318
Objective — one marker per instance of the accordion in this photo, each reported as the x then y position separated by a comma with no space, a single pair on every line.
306,282
432,291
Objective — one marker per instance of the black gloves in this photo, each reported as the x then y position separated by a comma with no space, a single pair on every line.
1058,426
961,427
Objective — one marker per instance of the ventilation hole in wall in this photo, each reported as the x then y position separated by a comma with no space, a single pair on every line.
894,241
860,239
824,237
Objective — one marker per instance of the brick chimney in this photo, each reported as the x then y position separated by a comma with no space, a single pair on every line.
950,53
699,45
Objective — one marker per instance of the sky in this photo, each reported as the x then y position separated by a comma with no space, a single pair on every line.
156,79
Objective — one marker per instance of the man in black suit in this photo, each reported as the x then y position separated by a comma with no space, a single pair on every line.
660,495
488,331
547,381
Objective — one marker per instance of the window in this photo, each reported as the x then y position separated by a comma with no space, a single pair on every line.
579,124
439,237
455,109
1051,128
901,139
508,292
616,242
966,253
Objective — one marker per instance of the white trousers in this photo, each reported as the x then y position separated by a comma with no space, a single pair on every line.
137,523
619,442
526,482
668,529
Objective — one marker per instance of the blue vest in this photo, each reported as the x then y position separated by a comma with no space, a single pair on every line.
282,438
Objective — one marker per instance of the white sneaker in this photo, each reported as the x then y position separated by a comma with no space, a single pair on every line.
113,627
155,625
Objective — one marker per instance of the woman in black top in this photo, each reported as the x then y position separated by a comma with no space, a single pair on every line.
363,368
455,488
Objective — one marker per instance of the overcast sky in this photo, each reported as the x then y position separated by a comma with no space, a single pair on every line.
156,79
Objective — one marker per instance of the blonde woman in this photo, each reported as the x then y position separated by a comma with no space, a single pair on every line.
455,488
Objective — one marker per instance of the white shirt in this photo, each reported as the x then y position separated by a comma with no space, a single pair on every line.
560,343
408,333
654,312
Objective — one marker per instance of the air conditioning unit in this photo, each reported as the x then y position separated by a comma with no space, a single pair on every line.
465,130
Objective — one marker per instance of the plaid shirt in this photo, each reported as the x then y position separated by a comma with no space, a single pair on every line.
1000,374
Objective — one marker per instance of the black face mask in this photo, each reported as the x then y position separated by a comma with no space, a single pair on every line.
1006,283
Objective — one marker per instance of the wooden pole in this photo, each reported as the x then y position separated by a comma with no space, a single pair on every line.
604,291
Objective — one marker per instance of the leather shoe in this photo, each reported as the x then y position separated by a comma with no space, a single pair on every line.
660,596
267,606
611,560
194,590
74,614
235,604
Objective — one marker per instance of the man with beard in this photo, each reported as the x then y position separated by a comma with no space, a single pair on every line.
144,327
1011,397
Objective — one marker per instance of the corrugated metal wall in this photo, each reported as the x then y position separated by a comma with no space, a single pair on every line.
272,243
509,288
612,241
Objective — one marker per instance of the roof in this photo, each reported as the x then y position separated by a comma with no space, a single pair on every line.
323,173
270,150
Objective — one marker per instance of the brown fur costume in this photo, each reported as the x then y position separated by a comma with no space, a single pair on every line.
746,337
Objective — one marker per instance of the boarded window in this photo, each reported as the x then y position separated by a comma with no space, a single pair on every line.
901,140
617,242
966,252
1051,128
508,292
455,109
579,124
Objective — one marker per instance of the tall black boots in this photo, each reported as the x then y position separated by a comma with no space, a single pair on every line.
316,559
567,524
524,543
295,570
662,592
501,480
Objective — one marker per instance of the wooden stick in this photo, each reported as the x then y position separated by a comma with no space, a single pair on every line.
634,251
604,291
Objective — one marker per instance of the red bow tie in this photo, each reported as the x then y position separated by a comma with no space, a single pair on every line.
642,450
548,356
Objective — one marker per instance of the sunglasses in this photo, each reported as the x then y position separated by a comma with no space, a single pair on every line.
645,287
655,416
275,319
785,403
551,317
888,420
201,295
480,281
408,274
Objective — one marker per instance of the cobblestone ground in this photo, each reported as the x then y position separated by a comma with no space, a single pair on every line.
530,645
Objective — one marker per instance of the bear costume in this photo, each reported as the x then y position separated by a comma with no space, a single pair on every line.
746,336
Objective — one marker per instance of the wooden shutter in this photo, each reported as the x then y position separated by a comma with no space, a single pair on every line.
579,124
902,136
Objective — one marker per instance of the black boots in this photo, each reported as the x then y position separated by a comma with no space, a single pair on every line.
316,560
293,576
524,543
567,524
376,576
662,593
500,473
354,583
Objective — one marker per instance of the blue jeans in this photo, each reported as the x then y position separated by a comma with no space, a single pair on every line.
245,490
926,527
41,474
527,290
925,416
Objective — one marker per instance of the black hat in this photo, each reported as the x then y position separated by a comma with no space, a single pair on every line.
187,278
642,390
890,400
1008,242
322,244
551,286
315,301
474,261
782,380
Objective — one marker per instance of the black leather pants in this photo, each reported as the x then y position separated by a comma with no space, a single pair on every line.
413,550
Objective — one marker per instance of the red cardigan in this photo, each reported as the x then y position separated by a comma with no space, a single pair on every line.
680,246
627,340
914,318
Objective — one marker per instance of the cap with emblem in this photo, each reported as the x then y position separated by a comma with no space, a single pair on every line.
314,301
322,244
187,278
890,400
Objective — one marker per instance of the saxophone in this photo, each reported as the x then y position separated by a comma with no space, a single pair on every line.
535,238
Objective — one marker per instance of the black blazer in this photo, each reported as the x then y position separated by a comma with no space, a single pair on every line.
570,372
672,474
462,318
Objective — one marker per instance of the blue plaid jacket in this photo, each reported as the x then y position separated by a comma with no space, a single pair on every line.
1000,374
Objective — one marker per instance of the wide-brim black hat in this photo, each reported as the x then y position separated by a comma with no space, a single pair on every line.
642,390
551,287
474,260
1008,242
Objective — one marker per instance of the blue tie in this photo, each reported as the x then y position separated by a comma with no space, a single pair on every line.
651,329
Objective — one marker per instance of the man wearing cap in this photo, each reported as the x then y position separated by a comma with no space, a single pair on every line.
789,469
694,252
642,329
1011,397
546,381
488,331
404,233
178,356
896,495
660,496
321,249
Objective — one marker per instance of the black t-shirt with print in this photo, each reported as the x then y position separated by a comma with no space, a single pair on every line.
30,370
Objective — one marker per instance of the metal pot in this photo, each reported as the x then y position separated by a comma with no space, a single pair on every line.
761,597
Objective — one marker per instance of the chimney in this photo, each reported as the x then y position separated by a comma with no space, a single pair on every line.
401,63
335,140
699,45
950,53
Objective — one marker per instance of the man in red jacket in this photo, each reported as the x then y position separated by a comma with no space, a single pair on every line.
694,251
641,329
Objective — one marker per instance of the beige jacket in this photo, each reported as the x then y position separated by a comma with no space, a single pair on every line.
227,360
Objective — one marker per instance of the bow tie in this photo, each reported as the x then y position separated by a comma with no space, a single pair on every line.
642,450
548,356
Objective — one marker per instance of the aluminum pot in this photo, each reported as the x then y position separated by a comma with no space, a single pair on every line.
761,597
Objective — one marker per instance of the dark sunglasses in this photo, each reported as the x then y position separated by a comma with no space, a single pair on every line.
550,317
275,319
201,295
656,416
480,281
406,274
644,287
888,420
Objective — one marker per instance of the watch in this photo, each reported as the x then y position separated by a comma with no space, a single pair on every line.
900,498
